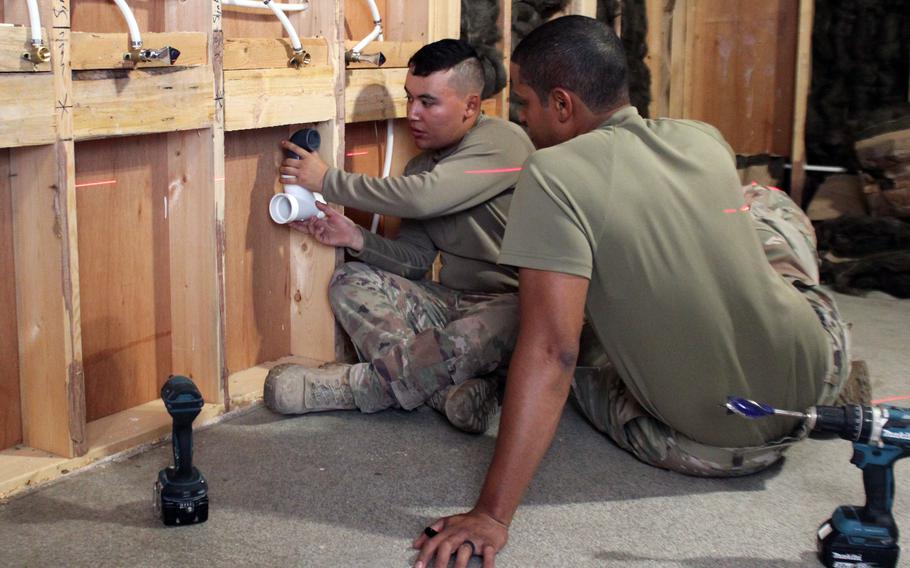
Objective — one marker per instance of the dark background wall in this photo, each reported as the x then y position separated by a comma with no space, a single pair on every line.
860,65
478,26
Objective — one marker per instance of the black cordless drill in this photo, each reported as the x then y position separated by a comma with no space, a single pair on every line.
181,493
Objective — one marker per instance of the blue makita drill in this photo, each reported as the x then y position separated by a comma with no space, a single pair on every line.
856,536
865,535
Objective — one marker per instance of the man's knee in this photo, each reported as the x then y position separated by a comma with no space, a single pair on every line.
348,274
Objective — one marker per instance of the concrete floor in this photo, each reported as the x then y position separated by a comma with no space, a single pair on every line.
345,489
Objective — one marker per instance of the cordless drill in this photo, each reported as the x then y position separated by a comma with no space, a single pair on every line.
181,493
864,536
855,536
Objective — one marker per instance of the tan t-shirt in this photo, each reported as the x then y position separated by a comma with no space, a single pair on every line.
454,201
681,295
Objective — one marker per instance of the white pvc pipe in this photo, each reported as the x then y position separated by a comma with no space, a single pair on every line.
386,164
288,26
374,11
258,5
135,36
390,124
295,204
377,31
377,28
34,20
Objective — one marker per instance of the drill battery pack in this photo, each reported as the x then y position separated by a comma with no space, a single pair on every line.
181,501
846,542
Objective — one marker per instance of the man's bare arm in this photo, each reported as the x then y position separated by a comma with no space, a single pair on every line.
540,375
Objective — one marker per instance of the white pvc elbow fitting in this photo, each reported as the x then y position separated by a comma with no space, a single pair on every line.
295,204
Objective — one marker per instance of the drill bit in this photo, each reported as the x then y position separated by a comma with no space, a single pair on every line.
752,409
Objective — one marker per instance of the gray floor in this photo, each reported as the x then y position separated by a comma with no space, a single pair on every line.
344,489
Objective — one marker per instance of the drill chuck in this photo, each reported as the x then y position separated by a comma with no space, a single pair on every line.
852,422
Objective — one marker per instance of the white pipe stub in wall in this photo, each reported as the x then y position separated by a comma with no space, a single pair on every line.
297,203
39,52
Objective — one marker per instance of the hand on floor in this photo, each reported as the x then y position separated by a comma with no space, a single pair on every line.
471,534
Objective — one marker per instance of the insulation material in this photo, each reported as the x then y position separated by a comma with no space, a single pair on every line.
885,158
528,14
865,253
479,28
840,194
860,66
635,41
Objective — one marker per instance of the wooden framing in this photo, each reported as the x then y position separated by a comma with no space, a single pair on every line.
801,99
14,41
27,120
105,51
731,64
101,312
133,198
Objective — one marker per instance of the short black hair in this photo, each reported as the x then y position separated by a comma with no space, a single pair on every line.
576,53
458,55
440,55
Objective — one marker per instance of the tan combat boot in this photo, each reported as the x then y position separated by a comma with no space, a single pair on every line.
295,389
857,388
469,406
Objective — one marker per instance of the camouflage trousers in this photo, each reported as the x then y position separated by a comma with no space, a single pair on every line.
789,243
418,336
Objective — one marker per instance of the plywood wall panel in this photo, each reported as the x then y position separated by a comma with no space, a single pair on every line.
240,22
124,269
16,12
104,16
740,64
10,411
151,15
256,252
365,147
358,21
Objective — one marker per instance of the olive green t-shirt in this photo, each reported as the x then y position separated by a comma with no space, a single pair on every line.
681,294
453,201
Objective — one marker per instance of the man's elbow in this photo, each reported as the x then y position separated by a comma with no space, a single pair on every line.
561,355
420,209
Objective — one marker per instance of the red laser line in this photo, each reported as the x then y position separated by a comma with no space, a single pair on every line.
497,171
94,183
890,399
352,154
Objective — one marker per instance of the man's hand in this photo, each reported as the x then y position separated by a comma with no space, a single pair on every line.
473,533
540,376
308,171
335,230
